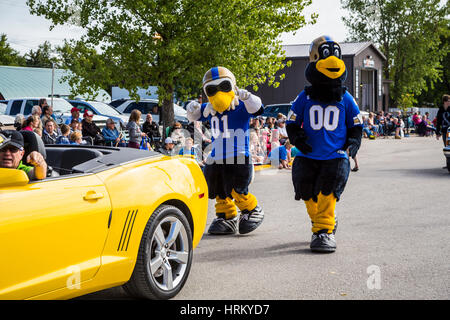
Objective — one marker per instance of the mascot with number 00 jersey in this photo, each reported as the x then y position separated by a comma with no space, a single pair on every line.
229,170
324,123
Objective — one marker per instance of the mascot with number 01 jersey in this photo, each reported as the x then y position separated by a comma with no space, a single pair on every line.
229,170
323,123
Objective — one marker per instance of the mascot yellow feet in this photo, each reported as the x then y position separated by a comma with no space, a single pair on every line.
323,221
226,221
252,215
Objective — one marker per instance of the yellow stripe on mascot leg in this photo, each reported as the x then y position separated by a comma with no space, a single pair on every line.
322,212
244,201
227,207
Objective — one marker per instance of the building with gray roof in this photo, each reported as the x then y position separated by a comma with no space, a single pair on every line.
364,63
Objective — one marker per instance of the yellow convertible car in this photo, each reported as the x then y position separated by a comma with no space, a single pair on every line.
104,217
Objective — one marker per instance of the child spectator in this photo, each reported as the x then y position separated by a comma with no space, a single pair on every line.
74,125
134,129
281,156
76,138
64,137
188,149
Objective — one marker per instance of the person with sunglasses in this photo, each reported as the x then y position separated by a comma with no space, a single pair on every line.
12,152
229,170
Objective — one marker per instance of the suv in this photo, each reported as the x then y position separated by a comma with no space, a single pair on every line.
103,109
151,106
272,110
61,109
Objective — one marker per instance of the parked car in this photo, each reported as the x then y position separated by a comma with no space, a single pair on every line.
3,105
151,106
272,110
6,122
103,109
61,109
104,226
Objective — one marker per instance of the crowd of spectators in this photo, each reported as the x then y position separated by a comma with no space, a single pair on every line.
397,125
269,143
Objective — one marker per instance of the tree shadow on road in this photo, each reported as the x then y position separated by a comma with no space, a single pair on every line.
232,254
435,172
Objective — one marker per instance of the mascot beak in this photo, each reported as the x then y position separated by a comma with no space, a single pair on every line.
332,67
221,101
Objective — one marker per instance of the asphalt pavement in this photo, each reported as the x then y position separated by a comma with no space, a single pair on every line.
393,240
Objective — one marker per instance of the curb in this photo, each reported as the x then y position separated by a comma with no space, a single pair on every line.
261,167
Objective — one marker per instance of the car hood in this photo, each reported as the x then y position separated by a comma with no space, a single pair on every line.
123,118
6,120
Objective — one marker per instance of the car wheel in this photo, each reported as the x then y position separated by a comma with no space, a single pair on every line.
165,256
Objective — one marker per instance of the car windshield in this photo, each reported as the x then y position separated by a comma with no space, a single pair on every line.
60,106
104,108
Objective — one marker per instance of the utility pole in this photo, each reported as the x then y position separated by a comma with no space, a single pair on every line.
53,80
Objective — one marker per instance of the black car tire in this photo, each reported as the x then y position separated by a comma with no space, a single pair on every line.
152,282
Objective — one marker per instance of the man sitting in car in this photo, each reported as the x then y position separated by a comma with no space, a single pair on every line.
12,152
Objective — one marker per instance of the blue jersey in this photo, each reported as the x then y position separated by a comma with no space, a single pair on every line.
325,124
230,132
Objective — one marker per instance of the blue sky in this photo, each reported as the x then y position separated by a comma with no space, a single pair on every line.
26,32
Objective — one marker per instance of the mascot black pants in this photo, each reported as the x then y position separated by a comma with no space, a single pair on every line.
229,181
320,184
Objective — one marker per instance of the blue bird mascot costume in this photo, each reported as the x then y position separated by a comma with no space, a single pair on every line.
228,170
324,123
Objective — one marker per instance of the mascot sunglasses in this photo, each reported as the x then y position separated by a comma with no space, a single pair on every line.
224,86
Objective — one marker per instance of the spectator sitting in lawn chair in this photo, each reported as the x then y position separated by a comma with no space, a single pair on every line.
112,136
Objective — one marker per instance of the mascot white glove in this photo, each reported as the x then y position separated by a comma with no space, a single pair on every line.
193,111
252,103
243,94
209,110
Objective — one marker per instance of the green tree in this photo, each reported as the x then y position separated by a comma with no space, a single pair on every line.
432,95
41,57
408,33
171,44
9,56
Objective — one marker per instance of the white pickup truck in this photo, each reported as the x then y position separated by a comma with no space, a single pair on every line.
6,122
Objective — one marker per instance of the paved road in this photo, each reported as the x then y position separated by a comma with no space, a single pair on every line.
394,219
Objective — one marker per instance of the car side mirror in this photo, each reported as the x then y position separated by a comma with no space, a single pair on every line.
12,178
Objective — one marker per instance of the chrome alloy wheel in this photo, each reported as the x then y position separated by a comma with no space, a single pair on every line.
169,253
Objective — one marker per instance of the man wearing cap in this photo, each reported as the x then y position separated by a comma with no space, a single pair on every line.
75,115
90,129
11,154
168,148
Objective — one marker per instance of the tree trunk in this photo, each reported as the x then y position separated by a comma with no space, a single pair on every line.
167,113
